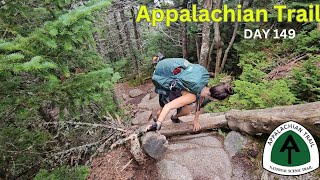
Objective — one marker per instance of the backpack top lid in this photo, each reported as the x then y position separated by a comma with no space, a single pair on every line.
193,77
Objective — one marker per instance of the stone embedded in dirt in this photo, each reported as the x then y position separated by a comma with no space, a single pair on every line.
135,92
152,104
153,94
169,170
125,97
146,98
234,142
154,144
142,118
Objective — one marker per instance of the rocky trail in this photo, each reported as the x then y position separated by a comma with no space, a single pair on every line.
211,155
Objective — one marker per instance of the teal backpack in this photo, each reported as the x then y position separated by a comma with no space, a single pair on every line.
178,73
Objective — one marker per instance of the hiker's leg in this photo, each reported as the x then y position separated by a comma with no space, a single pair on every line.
158,113
185,110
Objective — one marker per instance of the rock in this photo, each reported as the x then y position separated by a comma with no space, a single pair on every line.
125,97
135,92
146,98
152,104
142,118
203,157
266,175
208,141
169,170
204,163
234,142
153,95
154,144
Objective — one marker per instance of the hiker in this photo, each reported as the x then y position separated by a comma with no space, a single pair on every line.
221,92
180,83
157,58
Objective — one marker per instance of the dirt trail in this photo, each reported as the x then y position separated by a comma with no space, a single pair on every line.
119,164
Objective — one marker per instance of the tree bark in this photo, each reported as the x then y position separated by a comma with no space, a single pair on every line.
318,26
184,40
184,35
198,42
207,121
217,39
205,37
136,31
266,120
119,34
209,57
225,56
129,43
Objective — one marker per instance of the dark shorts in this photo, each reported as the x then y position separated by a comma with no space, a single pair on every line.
164,99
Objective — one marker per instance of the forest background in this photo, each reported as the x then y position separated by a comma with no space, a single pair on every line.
60,59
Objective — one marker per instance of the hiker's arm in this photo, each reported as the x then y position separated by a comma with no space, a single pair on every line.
196,124
185,99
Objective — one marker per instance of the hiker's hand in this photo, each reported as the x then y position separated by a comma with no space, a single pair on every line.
196,126
155,126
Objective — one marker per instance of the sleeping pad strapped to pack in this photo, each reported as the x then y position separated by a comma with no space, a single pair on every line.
178,73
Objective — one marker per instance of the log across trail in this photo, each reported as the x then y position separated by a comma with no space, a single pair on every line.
253,121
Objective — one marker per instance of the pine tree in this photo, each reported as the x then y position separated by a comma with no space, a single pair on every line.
50,71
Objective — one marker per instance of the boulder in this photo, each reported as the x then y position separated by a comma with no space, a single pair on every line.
152,104
203,157
142,118
146,98
169,170
135,92
234,142
154,144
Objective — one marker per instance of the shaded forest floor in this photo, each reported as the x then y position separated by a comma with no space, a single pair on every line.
119,163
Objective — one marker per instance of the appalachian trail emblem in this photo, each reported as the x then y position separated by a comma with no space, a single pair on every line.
290,150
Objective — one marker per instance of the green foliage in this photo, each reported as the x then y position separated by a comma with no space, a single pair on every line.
249,95
262,95
47,62
304,42
77,173
305,83
158,42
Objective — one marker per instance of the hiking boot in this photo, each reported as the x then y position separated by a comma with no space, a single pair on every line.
155,126
176,120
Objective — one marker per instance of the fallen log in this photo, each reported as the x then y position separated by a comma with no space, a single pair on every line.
252,122
207,121
266,120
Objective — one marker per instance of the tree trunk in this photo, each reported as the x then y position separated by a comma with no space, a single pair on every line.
184,36
136,31
205,37
129,43
225,56
119,35
251,121
318,26
184,40
217,39
198,42
207,121
209,57
266,120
